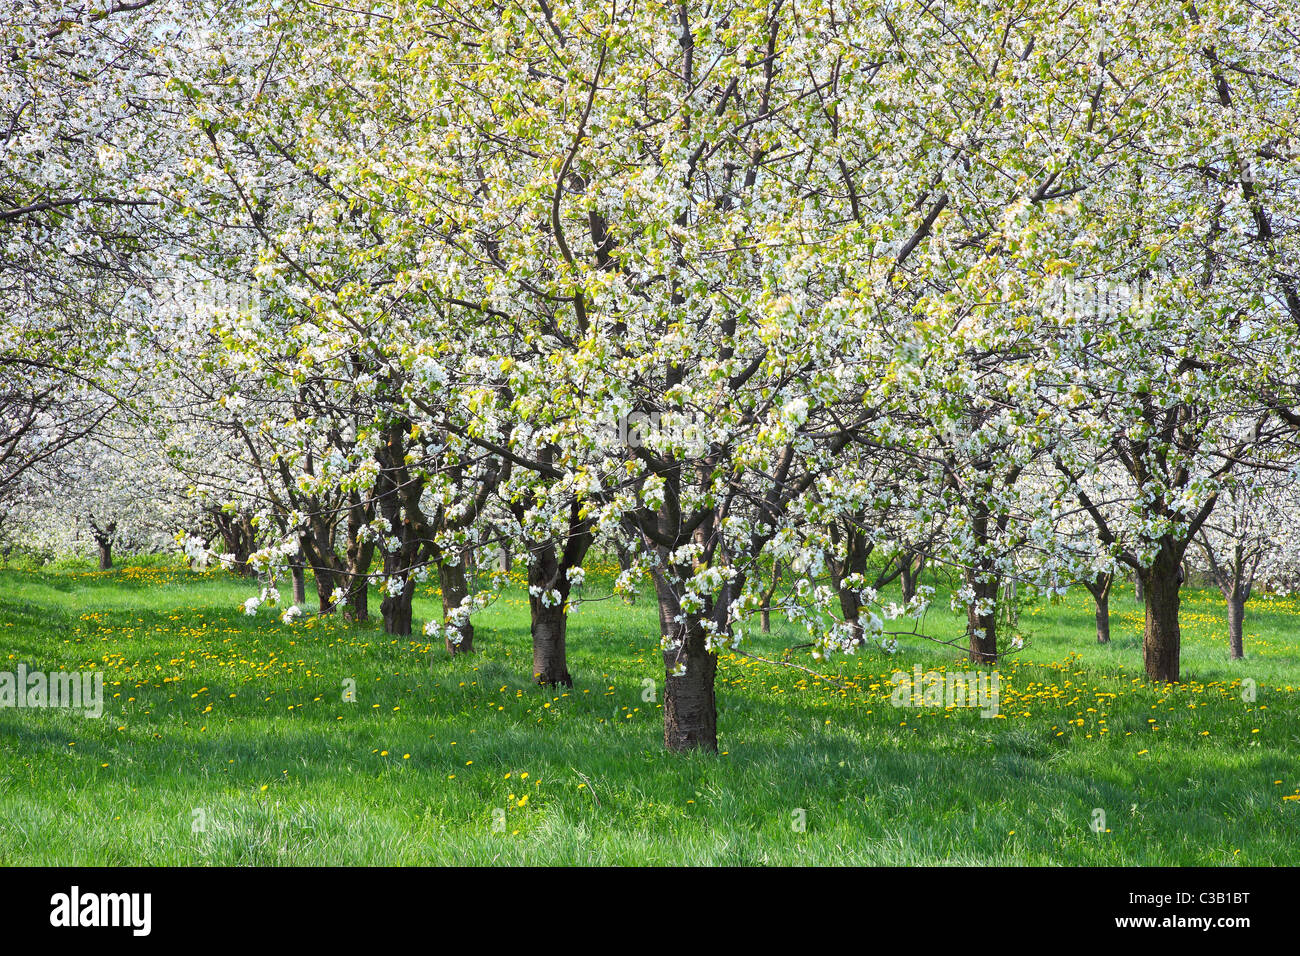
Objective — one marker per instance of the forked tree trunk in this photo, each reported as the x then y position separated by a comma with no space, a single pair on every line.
549,624
455,588
1099,588
240,539
1161,638
910,575
549,586
103,535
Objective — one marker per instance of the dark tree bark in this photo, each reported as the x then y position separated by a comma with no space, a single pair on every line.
982,629
625,557
983,577
239,537
549,586
548,575
298,572
1100,587
549,626
1236,620
358,601
765,610
690,706
1234,572
985,583
1103,618
396,609
103,535
913,565
1162,638
360,556
455,588
857,547
398,495
324,587
849,609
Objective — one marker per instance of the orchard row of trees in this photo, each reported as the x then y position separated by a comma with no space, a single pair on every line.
779,300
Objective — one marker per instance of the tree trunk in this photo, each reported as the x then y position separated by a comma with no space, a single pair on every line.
455,588
849,608
624,556
358,604
324,587
910,576
765,610
1099,588
549,624
1137,588
856,551
548,595
360,558
1236,620
1103,617
1161,639
103,535
982,629
240,539
690,707
299,575
397,609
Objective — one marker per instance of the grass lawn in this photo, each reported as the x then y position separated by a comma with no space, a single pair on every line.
225,739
